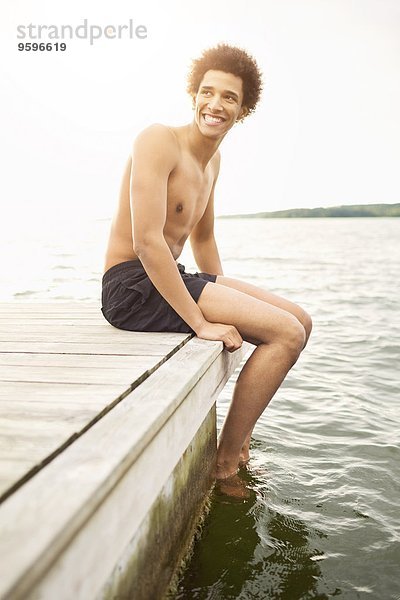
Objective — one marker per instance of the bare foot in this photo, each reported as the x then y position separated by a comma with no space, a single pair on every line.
225,471
232,486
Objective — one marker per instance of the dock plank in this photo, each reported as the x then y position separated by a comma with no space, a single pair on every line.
62,367
97,362
71,337
41,390
86,412
50,307
71,375
136,347
110,447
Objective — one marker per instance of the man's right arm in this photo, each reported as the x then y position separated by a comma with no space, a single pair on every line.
155,155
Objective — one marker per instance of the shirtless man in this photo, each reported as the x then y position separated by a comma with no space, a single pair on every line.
167,195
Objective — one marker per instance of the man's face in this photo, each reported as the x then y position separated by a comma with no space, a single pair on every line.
218,103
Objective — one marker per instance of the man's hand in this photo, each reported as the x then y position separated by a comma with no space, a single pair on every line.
228,334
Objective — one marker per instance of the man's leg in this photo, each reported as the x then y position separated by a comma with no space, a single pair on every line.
260,294
275,300
279,337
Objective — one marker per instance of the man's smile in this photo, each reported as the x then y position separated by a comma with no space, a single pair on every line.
213,119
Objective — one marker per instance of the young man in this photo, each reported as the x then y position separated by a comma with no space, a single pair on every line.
167,195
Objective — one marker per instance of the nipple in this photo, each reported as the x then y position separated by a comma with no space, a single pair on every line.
179,207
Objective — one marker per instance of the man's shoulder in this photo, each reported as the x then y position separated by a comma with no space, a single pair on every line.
157,132
156,141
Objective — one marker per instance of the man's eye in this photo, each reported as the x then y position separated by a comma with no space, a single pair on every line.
206,92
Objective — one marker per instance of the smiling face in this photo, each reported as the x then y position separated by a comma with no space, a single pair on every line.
218,103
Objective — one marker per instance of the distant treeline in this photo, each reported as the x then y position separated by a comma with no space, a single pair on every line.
355,210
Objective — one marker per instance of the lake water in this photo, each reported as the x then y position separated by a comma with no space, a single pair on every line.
323,517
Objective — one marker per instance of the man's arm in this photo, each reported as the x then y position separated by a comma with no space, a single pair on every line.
154,157
202,240
207,257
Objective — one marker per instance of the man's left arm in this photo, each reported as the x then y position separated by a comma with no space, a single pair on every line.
202,240
206,256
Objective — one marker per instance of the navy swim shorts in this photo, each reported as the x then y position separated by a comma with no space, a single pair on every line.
130,300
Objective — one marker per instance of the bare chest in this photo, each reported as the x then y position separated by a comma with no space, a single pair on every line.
188,192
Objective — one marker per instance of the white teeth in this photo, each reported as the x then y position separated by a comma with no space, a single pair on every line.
210,119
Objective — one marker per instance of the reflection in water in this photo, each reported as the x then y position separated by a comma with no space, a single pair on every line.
247,550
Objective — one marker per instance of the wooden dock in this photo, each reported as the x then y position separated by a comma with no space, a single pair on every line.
107,445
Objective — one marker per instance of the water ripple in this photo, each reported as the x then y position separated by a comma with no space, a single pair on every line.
324,472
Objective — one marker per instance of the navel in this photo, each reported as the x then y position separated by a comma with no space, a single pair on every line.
179,207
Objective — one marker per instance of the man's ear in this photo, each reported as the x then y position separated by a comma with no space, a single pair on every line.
193,102
244,111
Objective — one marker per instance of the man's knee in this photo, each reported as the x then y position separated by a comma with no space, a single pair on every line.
292,336
306,321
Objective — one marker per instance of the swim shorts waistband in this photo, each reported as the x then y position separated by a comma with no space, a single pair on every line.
129,265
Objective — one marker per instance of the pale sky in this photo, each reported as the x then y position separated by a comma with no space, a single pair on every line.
326,132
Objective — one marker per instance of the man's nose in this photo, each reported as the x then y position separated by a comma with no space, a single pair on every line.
215,103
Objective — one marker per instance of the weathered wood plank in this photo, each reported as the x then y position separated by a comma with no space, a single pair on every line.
48,407
50,392
80,488
38,428
15,428
66,381
50,307
53,320
128,348
96,329
38,446
54,327
39,390
66,401
83,337
53,389
14,463
72,375
95,362
25,317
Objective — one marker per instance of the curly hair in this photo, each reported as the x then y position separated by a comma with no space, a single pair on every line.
230,59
